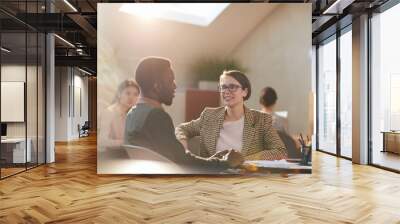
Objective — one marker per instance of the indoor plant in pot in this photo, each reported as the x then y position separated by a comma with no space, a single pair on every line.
208,70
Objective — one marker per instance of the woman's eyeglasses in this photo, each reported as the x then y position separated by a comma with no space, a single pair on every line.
231,88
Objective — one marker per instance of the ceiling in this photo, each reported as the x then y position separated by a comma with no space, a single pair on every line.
219,38
76,22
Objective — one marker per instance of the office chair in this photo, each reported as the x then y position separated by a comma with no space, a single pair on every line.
84,130
141,153
292,151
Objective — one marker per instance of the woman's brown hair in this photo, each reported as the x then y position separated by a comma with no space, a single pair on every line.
122,86
242,79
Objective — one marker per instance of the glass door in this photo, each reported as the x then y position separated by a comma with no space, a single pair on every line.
346,93
327,96
385,89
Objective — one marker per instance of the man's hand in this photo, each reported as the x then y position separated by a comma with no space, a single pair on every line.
184,143
220,154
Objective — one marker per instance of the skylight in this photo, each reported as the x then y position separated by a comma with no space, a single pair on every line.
201,14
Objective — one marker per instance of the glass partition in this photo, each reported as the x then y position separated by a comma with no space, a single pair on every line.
327,96
385,89
22,88
31,97
346,94
15,151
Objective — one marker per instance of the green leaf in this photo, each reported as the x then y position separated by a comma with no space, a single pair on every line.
210,68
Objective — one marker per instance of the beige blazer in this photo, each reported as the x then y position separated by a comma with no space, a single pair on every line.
260,139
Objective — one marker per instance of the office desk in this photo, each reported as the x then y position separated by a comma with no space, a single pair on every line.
13,150
117,161
391,141
277,166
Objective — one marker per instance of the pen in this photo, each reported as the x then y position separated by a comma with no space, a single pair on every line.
302,140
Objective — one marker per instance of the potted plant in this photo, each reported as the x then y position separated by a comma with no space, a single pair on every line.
208,70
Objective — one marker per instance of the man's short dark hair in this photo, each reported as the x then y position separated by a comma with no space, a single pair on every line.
268,96
149,70
242,79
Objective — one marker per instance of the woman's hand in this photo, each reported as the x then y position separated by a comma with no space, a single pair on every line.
234,158
184,143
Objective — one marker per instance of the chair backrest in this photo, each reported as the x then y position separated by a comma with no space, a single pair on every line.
290,145
86,125
141,153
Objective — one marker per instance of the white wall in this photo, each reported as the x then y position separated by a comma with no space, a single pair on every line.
14,73
17,73
67,114
79,117
120,49
273,41
278,54
178,41
61,103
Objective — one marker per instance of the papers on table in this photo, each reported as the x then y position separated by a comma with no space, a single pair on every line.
282,164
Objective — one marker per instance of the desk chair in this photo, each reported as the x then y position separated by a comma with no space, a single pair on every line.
84,130
141,153
292,151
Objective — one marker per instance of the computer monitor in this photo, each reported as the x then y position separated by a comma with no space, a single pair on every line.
3,129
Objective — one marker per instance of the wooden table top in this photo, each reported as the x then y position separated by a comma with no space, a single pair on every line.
119,162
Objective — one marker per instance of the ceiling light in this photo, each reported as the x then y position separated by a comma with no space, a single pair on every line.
84,71
201,14
64,40
70,5
338,6
5,50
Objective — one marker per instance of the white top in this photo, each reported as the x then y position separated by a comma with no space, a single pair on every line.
231,136
280,123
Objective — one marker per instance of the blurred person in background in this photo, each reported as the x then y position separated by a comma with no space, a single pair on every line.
112,121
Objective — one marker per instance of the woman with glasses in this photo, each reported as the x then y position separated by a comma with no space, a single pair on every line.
234,126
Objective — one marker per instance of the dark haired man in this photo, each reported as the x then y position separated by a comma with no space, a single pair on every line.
148,125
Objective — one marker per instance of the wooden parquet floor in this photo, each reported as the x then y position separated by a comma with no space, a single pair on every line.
70,191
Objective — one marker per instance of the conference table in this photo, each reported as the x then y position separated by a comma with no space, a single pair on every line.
391,141
122,161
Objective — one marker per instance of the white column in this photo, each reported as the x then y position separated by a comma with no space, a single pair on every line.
360,90
50,99
63,102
